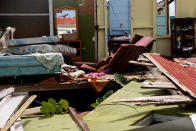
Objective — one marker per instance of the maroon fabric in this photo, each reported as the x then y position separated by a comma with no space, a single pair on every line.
136,38
79,64
120,61
145,41
103,61
118,55
132,53
87,68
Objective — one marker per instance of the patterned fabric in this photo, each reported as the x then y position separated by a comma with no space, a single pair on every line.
49,60
44,48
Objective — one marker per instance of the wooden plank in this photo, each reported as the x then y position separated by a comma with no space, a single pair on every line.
78,120
31,111
168,75
6,92
37,87
141,63
17,126
8,106
159,100
142,58
18,113
49,87
35,40
159,85
140,76
51,17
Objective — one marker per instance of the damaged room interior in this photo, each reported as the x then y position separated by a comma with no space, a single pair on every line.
98,65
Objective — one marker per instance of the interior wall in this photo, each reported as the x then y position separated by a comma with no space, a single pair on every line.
85,24
143,18
26,26
185,8
101,31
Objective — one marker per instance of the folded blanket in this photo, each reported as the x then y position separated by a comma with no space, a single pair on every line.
49,60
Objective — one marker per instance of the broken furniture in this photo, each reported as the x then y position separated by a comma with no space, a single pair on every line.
183,32
35,64
114,44
119,62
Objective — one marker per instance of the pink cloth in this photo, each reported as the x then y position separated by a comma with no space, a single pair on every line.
96,74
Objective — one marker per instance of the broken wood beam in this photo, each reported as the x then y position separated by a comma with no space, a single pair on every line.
78,120
159,100
31,111
159,85
139,76
142,58
141,63
180,103
18,113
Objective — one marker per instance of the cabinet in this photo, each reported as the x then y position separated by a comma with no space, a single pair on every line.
183,37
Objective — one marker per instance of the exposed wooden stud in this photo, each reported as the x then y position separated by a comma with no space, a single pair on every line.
18,113
51,17
78,120
141,63
159,85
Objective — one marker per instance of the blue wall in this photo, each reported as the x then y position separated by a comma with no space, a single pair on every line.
119,16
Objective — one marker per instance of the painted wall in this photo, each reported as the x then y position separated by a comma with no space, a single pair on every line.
185,8
119,17
143,20
85,24
102,47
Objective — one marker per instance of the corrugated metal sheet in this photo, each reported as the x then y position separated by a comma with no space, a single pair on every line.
184,76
